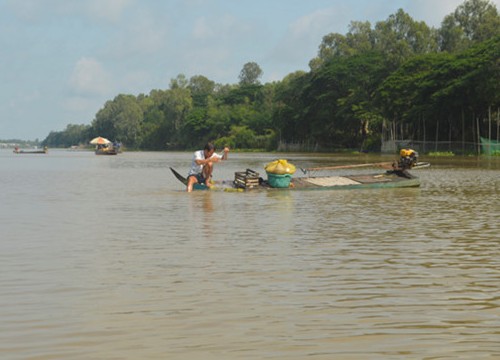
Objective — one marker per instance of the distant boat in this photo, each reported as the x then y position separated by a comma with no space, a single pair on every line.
19,151
105,147
106,151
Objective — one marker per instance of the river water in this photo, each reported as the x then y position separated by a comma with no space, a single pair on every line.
108,258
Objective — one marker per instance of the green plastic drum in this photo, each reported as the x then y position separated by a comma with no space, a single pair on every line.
279,181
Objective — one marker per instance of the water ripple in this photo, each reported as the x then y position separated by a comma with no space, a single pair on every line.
136,268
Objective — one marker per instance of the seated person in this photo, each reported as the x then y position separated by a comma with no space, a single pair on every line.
202,165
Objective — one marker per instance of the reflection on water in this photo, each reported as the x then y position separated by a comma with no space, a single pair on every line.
110,258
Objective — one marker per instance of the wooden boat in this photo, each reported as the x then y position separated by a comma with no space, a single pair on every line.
106,151
388,179
421,165
18,151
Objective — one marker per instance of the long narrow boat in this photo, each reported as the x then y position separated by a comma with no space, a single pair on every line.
421,165
17,151
388,179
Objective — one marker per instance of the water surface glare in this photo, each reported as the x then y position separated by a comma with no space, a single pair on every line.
108,258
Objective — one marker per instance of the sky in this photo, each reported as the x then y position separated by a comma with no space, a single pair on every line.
61,60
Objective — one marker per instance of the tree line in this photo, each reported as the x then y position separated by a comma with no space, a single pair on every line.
397,79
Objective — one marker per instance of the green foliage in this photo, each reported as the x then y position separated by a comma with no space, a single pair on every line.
341,99
243,138
121,120
441,153
442,85
399,38
250,74
73,135
201,89
472,22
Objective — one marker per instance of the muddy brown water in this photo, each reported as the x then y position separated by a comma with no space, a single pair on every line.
108,258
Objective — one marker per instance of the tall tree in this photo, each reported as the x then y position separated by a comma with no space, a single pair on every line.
288,117
166,117
250,74
443,86
201,87
120,119
400,37
472,22
359,39
340,105
180,82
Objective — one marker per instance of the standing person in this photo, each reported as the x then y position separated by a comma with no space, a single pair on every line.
202,165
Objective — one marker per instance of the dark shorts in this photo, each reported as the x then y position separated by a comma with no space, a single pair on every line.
199,177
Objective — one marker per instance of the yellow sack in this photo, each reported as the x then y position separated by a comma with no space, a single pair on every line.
406,152
280,167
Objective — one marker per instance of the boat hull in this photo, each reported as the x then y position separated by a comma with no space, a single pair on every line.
368,181
30,152
421,165
106,152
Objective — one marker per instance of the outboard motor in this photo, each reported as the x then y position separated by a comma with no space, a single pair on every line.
408,158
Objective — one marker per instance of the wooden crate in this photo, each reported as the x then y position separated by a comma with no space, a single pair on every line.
246,179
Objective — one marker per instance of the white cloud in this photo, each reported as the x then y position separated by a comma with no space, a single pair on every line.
219,47
305,34
211,61
226,29
102,10
137,81
90,78
110,10
202,30
315,22
143,36
431,11
136,44
77,104
27,10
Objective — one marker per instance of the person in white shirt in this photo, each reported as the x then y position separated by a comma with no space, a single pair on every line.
202,165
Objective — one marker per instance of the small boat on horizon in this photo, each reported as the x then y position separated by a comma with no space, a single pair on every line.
106,151
105,146
45,150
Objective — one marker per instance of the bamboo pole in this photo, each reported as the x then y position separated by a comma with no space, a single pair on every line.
463,132
339,167
473,131
449,134
498,122
423,124
489,130
437,136
478,138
